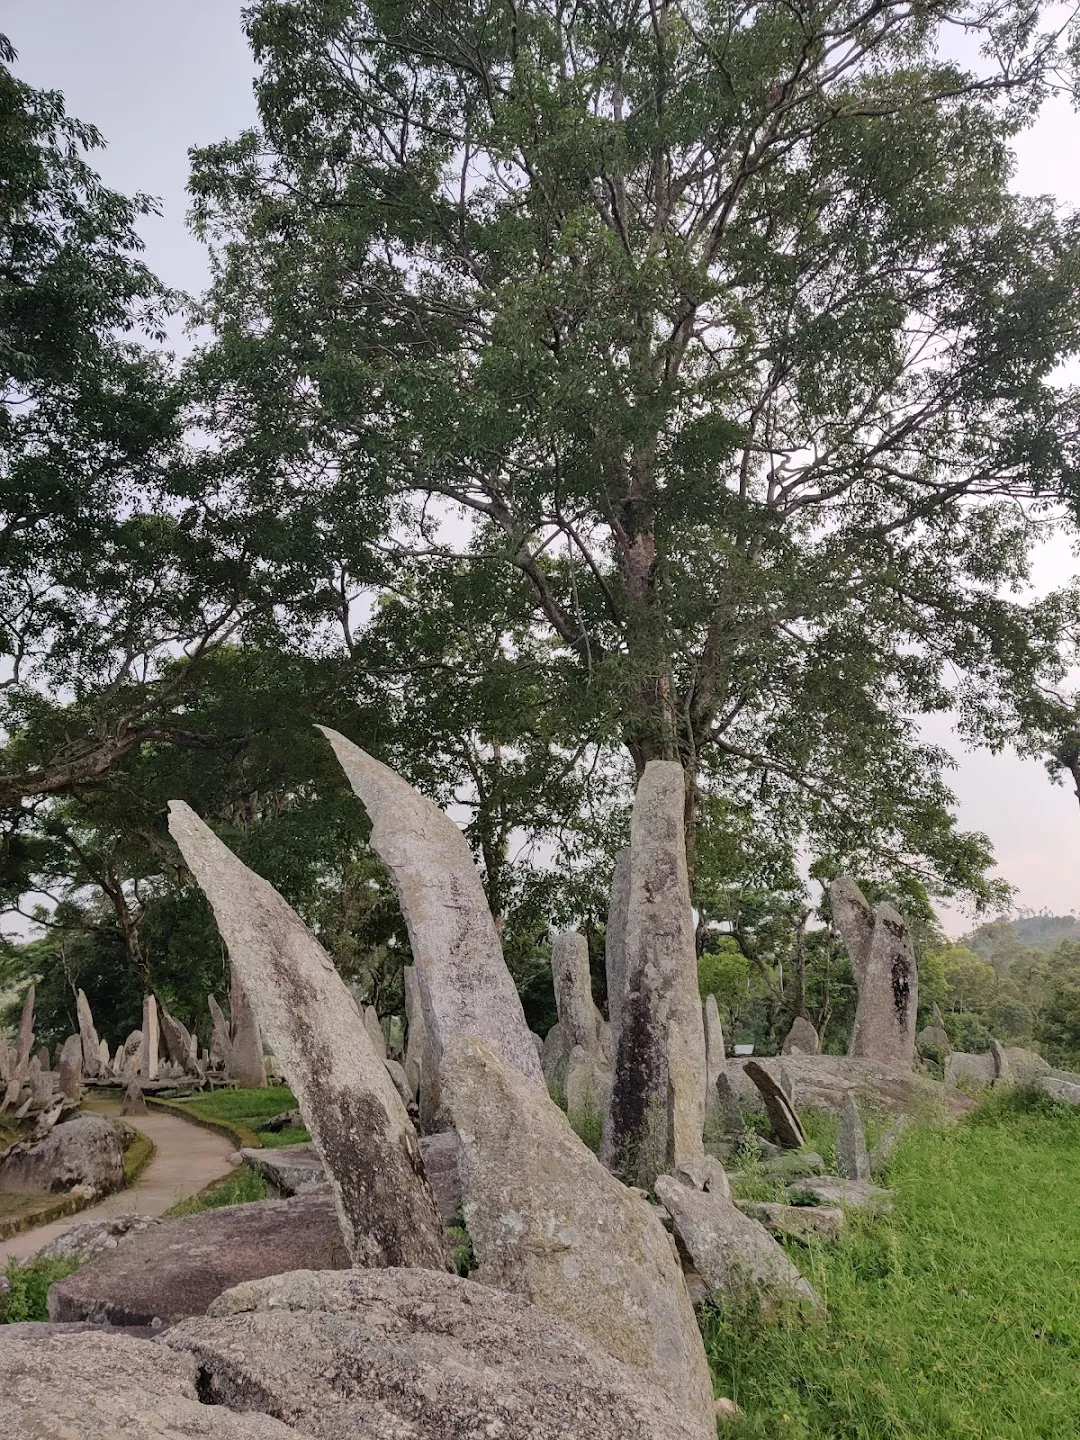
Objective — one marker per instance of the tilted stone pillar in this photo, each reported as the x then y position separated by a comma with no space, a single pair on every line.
883,960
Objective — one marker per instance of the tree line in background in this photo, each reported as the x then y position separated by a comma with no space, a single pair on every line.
583,385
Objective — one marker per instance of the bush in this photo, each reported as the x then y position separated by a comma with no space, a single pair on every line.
28,1287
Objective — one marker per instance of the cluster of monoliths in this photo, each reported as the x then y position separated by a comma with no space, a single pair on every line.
656,1115
882,954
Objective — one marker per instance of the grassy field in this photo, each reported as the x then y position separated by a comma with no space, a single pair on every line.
959,1317
251,1108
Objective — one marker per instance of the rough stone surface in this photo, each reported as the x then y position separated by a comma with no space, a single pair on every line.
442,1166
704,1172
95,1386
715,1058
287,1169
578,1015
795,1222
976,1070
852,1194
149,1064
1002,1069
657,1111
554,1058
220,1041
411,1355
615,942
375,1031
852,1156
728,1249
177,1267
401,1082
933,1037
801,1037
888,983
822,1081
353,1112
84,1242
104,1059
5,1060
549,1222
134,1100
465,987
247,1065
853,919
86,1150
177,1039
19,1065
782,1117
415,1040
91,1045
1025,1065
1065,1092
730,1111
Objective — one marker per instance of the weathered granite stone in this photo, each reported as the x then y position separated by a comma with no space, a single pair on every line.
782,1117
43,1058
704,1172
287,1169
1002,1070
70,1068
86,1150
933,1037
415,1039
728,1249
885,972
442,1166
657,1112
95,1386
19,1066
465,987
822,1081
731,1116
91,1045
247,1066
177,1267
795,1222
791,1164
41,1085
375,1031
5,1060
587,1084
104,1059
177,1038
118,1062
580,1019
549,1222
801,1037
615,942
852,1156
850,1194
95,1237
401,1082
554,1058
976,1070
853,920
149,1064
220,1041
715,1058
411,1355
134,1100
1025,1065
353,1112
1065,1092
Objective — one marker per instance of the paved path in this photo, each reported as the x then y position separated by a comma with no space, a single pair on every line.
186,1158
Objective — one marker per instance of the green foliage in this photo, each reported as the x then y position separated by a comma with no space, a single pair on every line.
28,1287
250,1108
956,1318
239,1188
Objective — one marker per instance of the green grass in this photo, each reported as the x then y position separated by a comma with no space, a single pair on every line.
28,1286
958,1319
238,1188
249,1108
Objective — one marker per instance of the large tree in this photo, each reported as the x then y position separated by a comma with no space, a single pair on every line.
710,333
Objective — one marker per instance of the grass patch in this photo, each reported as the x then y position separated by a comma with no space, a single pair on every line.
28,1287
238,1188
958,1319
241,1114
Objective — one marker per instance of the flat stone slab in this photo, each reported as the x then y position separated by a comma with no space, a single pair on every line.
176,1268
852,1194
112,1387
795,1222
418,1355
1065,1092
287,1169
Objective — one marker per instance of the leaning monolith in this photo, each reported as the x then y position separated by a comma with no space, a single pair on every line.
657,1111
247,1065
883,961
465,986
91,1045
357,1121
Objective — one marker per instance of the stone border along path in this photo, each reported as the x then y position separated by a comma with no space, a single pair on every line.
186,1159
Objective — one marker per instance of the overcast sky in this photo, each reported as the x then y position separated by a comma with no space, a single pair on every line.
157,76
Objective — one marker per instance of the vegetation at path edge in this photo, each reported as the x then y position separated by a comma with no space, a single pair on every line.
956,1318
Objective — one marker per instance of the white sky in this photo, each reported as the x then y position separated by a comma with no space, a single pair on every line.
157,76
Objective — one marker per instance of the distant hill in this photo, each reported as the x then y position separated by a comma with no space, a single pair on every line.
998,941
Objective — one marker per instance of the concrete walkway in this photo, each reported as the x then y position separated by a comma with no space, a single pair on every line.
186,1159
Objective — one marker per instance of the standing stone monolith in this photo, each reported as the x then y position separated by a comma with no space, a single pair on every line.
149,1063
657,1111
104,1059
801,1039
852,1156
70,1068
5,1060
853,921
781,1112
177,1039
615,942
416,1062
465,986
375,1031
715,1058
885,1017
586,1079
356,1118
43,1058
220,1043
20,1061
246,1063
731,1115
91,1045
547,1221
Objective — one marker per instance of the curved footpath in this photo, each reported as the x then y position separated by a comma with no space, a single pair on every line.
186,1159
